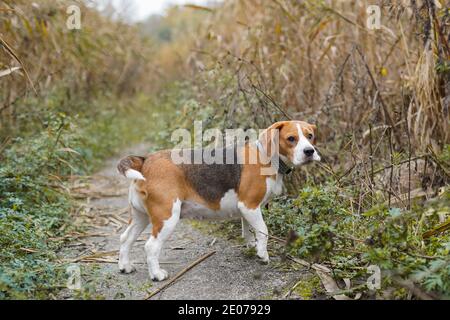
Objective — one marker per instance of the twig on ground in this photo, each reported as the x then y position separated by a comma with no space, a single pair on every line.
93,256
324,274
441,228
289,292
180,274
415,290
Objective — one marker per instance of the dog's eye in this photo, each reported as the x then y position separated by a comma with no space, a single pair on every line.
291,139
310,136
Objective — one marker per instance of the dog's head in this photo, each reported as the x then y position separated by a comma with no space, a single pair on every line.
293,142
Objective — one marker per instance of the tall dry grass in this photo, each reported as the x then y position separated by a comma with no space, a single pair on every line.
319,60
380,97
39,53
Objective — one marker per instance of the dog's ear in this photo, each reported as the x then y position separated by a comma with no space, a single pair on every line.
314,127
269,138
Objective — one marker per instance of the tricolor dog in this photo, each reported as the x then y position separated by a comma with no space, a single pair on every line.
163,191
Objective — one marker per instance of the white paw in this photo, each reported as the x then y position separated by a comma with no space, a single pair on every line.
159,275
264,256
126,267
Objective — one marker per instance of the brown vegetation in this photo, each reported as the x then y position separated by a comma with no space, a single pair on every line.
380,99
39,55
378,96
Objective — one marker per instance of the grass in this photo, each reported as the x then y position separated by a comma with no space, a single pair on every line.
324,229
35,208
378,98
344,218
73,100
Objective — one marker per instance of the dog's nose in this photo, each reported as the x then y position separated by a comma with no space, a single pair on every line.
309,151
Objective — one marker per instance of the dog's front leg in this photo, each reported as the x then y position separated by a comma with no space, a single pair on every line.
248,234
255,219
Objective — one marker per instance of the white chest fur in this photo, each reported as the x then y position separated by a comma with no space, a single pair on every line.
273,187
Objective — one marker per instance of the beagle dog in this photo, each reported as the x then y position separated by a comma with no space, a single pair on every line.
162,191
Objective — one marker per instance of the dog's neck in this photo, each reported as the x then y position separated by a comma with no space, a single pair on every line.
282,167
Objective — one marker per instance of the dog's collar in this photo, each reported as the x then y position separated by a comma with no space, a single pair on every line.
283,168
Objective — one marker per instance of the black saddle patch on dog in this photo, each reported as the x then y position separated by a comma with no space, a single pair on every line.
212,181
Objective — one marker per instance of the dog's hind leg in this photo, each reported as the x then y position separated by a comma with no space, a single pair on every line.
161,231
139,220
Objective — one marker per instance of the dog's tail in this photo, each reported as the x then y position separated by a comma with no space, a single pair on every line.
131,167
